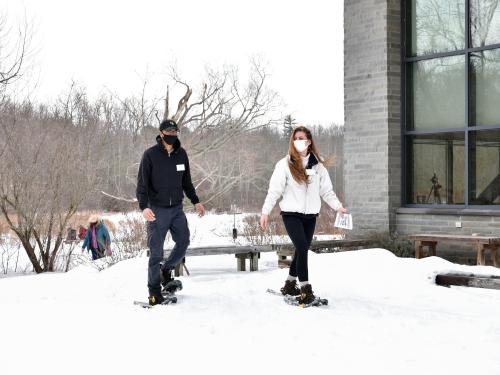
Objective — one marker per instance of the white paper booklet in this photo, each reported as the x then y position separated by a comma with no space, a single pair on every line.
344,221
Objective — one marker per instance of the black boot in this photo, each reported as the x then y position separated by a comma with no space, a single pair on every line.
166,276
155,298
290,288
306,294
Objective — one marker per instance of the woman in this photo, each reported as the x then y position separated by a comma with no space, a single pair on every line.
97,239
301,179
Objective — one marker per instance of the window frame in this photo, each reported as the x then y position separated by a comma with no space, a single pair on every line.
406,62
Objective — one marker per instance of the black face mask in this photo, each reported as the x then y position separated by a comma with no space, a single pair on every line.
169,139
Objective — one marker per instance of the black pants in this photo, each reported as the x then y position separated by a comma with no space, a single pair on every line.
300,230
167,218
96,253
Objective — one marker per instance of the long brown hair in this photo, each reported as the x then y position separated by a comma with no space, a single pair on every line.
295,164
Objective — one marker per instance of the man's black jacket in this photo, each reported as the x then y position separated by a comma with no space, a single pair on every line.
163,177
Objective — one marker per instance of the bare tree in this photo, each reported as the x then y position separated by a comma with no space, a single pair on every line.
9,255
48,169
223,110
13,51
223,107
288,125
137,112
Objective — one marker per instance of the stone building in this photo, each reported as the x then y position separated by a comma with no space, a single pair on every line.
422,116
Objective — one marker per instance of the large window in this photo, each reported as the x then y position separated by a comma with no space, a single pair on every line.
437,168
451,124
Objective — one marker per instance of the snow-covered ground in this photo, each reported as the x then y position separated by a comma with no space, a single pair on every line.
386,316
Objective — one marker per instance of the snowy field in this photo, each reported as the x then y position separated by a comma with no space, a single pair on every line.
385,316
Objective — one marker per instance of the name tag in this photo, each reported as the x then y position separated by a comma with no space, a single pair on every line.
310,172
181,167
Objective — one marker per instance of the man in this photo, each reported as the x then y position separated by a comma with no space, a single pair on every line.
164,176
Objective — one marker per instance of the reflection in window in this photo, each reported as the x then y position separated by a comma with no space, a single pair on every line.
484,167
485,87
437,26
485,22
437,94
436,169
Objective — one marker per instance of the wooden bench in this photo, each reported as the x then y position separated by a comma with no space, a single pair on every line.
252,253
286,251
241,253
480,244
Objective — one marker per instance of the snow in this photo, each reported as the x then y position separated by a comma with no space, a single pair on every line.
386,316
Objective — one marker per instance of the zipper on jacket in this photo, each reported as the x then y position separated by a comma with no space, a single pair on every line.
309,177
170,197
305,205
305,200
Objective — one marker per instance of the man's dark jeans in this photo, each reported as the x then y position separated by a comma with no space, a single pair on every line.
167,218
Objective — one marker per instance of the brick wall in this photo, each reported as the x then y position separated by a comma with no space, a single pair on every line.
372,150
412,221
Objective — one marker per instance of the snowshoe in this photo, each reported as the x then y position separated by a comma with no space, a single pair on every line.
165,301
295,301
171,288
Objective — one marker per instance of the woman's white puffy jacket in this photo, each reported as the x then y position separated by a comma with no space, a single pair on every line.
301,198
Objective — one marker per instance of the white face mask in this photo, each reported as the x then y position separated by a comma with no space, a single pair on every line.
300,145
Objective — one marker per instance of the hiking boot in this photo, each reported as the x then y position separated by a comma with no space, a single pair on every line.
166,277
290,288
306,294
155,299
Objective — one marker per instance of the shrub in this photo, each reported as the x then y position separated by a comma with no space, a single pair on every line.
254,234
399,245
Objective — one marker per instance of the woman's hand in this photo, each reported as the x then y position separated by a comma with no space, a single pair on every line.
341,211
264,221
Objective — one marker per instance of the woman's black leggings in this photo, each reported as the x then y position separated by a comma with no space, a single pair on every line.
300,230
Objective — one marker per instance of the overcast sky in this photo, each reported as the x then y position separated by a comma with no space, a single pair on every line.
113,45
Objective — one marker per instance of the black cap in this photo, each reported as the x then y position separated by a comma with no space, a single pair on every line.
168,124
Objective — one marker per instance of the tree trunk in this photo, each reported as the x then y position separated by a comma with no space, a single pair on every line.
31,255
54,252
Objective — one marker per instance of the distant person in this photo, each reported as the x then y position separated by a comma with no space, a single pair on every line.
97,239
301,179
82,232
164,176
